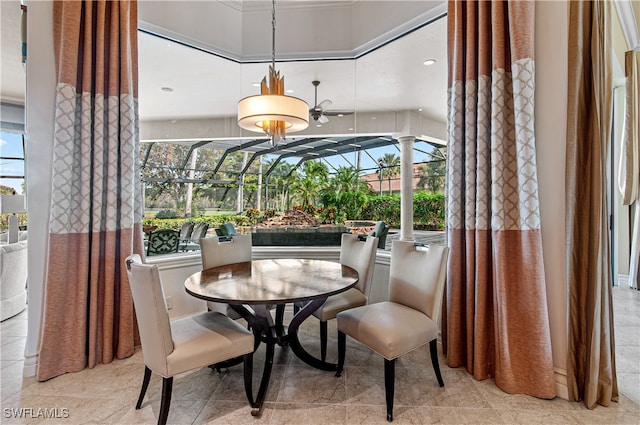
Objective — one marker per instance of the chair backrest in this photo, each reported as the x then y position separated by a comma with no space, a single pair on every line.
200,231
215,252
417,276
151,313
359,255
185,230
227,229
163,241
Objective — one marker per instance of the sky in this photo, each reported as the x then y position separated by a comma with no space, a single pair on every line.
368,159
11,146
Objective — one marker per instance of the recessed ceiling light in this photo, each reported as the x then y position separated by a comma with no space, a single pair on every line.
429,62
318,125
255,84
289,91
167,89
341,115
419,109
373,118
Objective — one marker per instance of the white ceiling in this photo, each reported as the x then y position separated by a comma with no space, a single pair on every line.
388,78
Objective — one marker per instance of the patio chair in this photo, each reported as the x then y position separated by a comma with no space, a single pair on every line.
381,230
185,231
199,232
408,320
163,241
227,229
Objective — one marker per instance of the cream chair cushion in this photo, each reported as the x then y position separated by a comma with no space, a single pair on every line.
409,319
193,337
389,329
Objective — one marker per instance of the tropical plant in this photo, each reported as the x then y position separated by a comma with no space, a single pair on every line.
311,180
432,176
388,168
345,193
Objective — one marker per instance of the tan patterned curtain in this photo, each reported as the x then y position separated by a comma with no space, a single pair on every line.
96,205
591,369
629,177
497,322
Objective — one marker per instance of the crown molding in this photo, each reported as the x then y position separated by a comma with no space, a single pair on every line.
405,28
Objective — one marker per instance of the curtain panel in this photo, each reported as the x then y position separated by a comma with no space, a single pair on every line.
591,369
96,203
496,321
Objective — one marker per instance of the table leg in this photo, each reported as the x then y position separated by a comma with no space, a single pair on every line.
261,324
294,342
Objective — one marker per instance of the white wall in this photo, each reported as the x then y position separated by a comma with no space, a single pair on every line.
551,121
38,151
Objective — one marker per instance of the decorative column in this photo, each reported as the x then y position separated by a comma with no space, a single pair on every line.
406,187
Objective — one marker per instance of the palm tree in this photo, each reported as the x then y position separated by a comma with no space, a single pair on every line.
389,168
346,192
432,176
309,182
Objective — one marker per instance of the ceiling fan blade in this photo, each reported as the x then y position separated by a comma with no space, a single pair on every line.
338,112
324,104
322,119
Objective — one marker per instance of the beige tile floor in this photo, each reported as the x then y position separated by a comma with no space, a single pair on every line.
299,394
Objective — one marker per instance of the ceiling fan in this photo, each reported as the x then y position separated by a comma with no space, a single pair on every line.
320,112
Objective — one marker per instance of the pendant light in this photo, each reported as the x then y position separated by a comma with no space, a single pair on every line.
273,112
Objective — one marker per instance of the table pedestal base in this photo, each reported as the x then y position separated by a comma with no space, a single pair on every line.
271,333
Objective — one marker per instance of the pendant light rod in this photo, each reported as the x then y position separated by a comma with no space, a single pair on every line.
272,111
273,35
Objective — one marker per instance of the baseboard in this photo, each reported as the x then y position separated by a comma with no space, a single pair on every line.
623,280
562,389
30,365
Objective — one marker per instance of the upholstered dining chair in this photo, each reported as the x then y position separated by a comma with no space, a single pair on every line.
163,241
359,254
218,252
173,347
408,320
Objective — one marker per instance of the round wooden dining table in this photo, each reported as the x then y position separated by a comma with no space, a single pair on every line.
252,287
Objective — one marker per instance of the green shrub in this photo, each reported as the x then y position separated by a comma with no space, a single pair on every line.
383,207
167,214
428,210
252,215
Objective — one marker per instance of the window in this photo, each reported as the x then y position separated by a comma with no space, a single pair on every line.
12,162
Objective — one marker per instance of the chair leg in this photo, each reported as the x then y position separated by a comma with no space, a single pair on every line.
248,377
389,383
342,348
433,347
167,385
145,385
323,340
